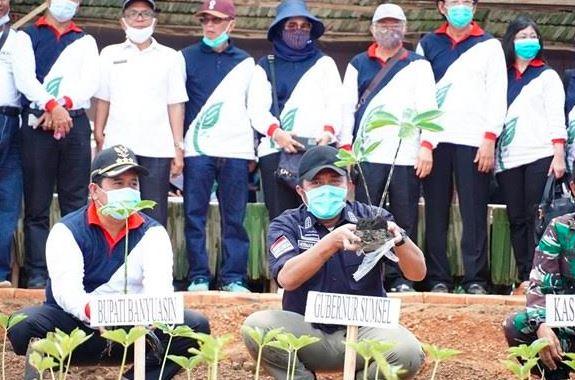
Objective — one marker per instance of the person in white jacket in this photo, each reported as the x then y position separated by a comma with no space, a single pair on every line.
407,85
85,255
532,144
308,105
471,83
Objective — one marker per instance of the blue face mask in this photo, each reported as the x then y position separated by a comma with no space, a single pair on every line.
326,202
459,16
120,199
63,10
527,48
216,41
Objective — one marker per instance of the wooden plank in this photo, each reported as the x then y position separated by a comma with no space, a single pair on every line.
30,16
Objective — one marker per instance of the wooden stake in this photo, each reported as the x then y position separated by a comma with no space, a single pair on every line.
140,359
35,12
350,354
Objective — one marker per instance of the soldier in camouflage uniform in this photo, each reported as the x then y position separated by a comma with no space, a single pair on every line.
553,272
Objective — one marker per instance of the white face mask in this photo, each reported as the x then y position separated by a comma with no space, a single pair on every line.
63,10
139,36
4,19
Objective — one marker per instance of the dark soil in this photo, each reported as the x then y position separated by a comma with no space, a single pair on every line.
373,233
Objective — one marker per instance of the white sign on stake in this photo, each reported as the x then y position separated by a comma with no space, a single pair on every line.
560,310
136,309
352,310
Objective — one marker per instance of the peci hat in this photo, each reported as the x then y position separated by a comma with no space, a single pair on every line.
388,11
316,159
114,161
218,8
295,8
127,3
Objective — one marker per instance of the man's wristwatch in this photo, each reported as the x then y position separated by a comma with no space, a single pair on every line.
404,238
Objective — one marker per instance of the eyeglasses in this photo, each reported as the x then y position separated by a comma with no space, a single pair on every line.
214,20
294,25
134,14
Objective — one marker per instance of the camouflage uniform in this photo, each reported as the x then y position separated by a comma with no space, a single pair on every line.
553,272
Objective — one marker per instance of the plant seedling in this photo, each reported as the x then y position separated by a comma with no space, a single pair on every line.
188,364
292,344
438,355
126,209
262,339
368,349
6,323
211,350
528,356
173,331
60,347
126,339
42,363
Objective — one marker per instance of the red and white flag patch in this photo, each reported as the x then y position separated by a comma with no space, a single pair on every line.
281,246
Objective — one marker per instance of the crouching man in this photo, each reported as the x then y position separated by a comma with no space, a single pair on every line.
85,257
313,248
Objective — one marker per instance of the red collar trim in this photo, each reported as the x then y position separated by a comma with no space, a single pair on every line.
72,27
134,221
537,62
372,53
475,31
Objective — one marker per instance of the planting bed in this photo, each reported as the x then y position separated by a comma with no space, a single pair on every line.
474,329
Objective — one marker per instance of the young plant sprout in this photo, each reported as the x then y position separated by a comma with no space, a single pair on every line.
262,340
368,349
438,355
292,344
211,351
172,332
125,210
60,347
126,339
523,358
188,364
42,363
6,323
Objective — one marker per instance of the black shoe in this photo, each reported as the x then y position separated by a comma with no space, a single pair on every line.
36,282
476,289
440,287
401,287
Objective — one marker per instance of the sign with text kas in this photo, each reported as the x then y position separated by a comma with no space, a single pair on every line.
136,309
560,310
352,310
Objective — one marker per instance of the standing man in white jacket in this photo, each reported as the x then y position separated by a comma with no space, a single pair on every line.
471,82
407,85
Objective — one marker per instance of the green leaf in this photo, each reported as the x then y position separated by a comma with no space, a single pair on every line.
41,363
526,352
571,132
441,94
134,334
48,347
258,335
186,363
343,164
390,372
406,130
569,363
117,335
15,319
428,126
436,353
304,341
282,345
210,116
383,115
508,133
288,120
4,321
426,116
343,154
378,123
371,148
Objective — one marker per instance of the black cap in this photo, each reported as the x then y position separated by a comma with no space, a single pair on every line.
114,161
127,3
316,159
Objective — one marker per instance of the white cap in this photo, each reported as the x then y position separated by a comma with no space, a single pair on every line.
388,11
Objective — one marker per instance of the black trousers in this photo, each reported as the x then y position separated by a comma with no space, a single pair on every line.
45,318
277,196
403,197
522,189
455,162
156,185
51,165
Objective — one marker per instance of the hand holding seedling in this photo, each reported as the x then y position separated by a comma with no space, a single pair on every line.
344,238
552,353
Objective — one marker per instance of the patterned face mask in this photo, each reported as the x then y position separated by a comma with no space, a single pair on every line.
388,39
296,39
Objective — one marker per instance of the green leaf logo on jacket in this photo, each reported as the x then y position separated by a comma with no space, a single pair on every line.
441,94
505,140
207,120
571,132
53,86
287,123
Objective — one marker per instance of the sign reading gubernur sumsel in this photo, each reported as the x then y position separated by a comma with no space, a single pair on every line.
136,309
560,310
352,310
